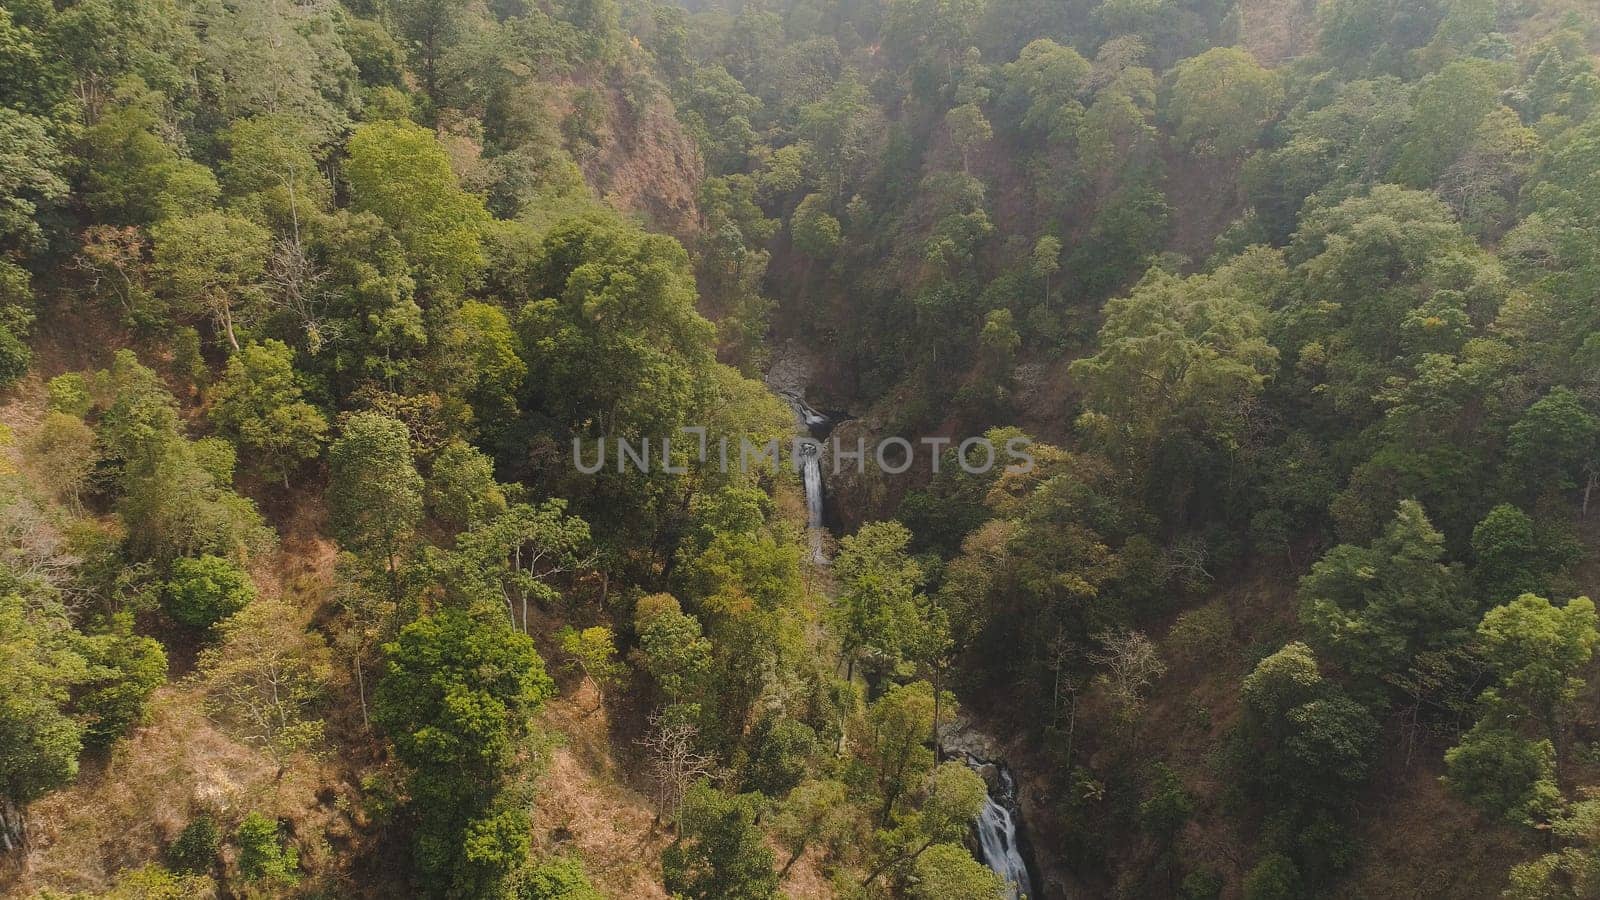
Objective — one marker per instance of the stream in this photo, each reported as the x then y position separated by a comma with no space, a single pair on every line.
997,832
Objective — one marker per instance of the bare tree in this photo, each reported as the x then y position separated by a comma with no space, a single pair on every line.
1130,662
674,762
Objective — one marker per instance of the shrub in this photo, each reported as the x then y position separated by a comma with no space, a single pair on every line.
196,848
203,591
557,878
1273,878
1201,633
262,857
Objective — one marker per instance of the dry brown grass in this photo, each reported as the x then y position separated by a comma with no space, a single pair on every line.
121,813
585,806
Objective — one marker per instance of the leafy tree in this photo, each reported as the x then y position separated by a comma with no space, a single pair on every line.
124,669
374,491
949,800
498,369
1274,877
948,872
458,690
1535,649
200,592
815,813
1375,607
1309,741
896,746
1044,82
1507,554
610,309
1504,774
63,451
554,878
259,402
970,130
39,740
780,753
816,232
262,854
461,488
195,849
1449,105
31,183
1180,357
594,651
398,171
513,558
266,678
1221,100
1552,444
672,647
719,853
133,176
877,611
214,265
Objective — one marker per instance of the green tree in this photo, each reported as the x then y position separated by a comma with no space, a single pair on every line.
1221,100
878,610
124,669
1507,555
214,265
1536,650
896,745
458,690
719,853
1045,81
611,329
969,130
815,231
1504,774
200,592
1449,105
266,678
461,488
1180,357
63,451
948,872
1552,444
1375,607
399,171
672,647
262,853
594,652
374,491
259,402
39,740
554,878
815,813
948,800
512,559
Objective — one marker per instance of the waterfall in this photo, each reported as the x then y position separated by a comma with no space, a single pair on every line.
997,839
811,472
818,426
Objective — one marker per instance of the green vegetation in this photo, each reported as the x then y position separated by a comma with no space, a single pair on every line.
304,309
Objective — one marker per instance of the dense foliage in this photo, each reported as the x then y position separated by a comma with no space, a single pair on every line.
311,315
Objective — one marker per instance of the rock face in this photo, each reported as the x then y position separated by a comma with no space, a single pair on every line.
646,165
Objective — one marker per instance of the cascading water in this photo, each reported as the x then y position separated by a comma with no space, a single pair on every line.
811,473
997,839
818,425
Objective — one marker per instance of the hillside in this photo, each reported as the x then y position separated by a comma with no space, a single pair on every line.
386,507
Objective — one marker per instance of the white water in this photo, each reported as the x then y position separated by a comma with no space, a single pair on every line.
997,838
811,472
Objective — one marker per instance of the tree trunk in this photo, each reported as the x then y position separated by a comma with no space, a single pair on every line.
361,691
